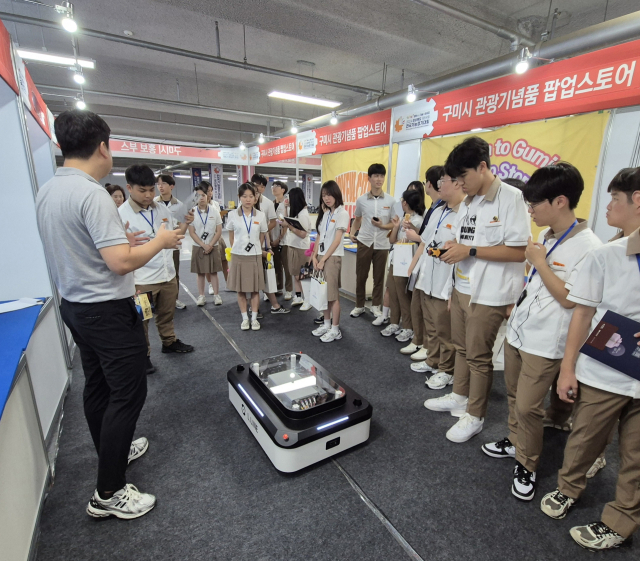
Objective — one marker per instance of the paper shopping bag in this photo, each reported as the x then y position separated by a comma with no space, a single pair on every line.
270,281
318,293
402,257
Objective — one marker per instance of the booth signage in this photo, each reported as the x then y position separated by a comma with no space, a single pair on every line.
152,151
215,176
362,132
307,187
600,80
35,103
196,176
277,150
6,64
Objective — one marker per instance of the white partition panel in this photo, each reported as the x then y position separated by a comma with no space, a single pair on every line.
407,166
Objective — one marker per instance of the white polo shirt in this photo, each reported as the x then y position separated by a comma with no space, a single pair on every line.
368,206
206,222
501,219
333,225
295,241
609,280
160,269
441,228
539,325
401,237
173,206
246,229
283,211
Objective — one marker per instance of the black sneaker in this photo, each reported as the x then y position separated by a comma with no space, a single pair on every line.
280,310
319,320
501,449
524,483
177,347
597,536
150,367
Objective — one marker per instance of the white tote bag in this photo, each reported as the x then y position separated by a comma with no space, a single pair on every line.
402,257
318,293
270,281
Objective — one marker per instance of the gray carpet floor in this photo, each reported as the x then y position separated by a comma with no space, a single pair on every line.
219,498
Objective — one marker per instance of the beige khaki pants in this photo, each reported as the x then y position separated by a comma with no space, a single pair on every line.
596,414
281,265
436,310
474,328
399,300
364,257
528,378
416,317
164,300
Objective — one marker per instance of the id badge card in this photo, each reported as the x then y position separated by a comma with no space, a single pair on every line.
321,246
144,305
204,236
248,247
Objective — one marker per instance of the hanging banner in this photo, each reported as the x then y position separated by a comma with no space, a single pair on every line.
151,151
215,177
196,176
307,187
276,150
603,79
6,64
518,150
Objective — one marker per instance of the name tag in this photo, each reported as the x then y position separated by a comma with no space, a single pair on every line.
333,220
256,222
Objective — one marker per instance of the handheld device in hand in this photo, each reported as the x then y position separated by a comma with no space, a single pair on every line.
248,247
376,219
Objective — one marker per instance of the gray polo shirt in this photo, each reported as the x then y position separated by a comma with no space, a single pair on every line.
77,217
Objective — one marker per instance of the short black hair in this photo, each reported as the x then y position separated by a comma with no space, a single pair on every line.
627,180
514,182
282,185
376,169
79,133
415,201
166,178
469,154
140,174
433,175
107,185
259,178
550,182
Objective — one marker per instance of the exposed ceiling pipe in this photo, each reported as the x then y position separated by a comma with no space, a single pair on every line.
515,38
160,101
606,34
183,52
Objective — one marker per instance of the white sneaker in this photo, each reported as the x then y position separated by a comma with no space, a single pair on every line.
137,449
422,367
210,288
126,503
305,307
376,310
287,296
217,300
356,312
439,381
297,301
320,331
201,301
245,325
404,335
255,325
391,329
596,467
180,305
467,427
410,349
420,355
331,336
448,403
380,320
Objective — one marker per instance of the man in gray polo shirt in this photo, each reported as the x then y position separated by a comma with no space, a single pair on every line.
91,258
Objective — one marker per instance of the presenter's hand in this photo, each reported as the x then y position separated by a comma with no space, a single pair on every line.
413,236
169,239
456,252
567,383
136,238
535,253
188,218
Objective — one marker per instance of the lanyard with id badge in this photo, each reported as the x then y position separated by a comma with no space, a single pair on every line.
249,246
524,292
204,234
150,222
326,229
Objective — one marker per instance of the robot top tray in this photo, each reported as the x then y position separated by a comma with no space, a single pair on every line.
297,381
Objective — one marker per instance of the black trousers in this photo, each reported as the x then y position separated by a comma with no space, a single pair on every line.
113,350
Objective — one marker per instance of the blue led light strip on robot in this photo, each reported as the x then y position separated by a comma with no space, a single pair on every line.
333,423
251,400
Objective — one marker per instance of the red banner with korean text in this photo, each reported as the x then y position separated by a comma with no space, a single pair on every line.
36,105
604,79
361,132
6,64
277,150
150,151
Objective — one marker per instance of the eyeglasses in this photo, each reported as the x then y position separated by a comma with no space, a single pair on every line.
534,205
441,181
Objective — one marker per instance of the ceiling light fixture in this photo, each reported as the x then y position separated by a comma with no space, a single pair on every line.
334,118
411,95
63,60
78,78
242,145
261,138
68,23
523,61
294,127
305,99
80,104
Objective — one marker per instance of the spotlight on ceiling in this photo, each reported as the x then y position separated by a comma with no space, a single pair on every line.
411,95
523,61
242,145
294,127
78,78
80,104
261,138
68,23
334,118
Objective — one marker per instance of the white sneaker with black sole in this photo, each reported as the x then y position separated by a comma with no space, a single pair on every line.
465,429
391,329
439,381
524,483
137,449
447,403
180,305
500,449
127,503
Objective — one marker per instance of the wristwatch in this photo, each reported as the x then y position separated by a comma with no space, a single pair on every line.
473,251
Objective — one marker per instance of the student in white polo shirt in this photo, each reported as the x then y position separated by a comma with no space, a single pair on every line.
373,220
222,246
488,254
537,326
432,279
158,276
297,242
607,281
332,223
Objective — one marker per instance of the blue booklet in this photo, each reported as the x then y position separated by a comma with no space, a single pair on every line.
613,343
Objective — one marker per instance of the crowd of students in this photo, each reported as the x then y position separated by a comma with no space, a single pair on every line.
474,264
